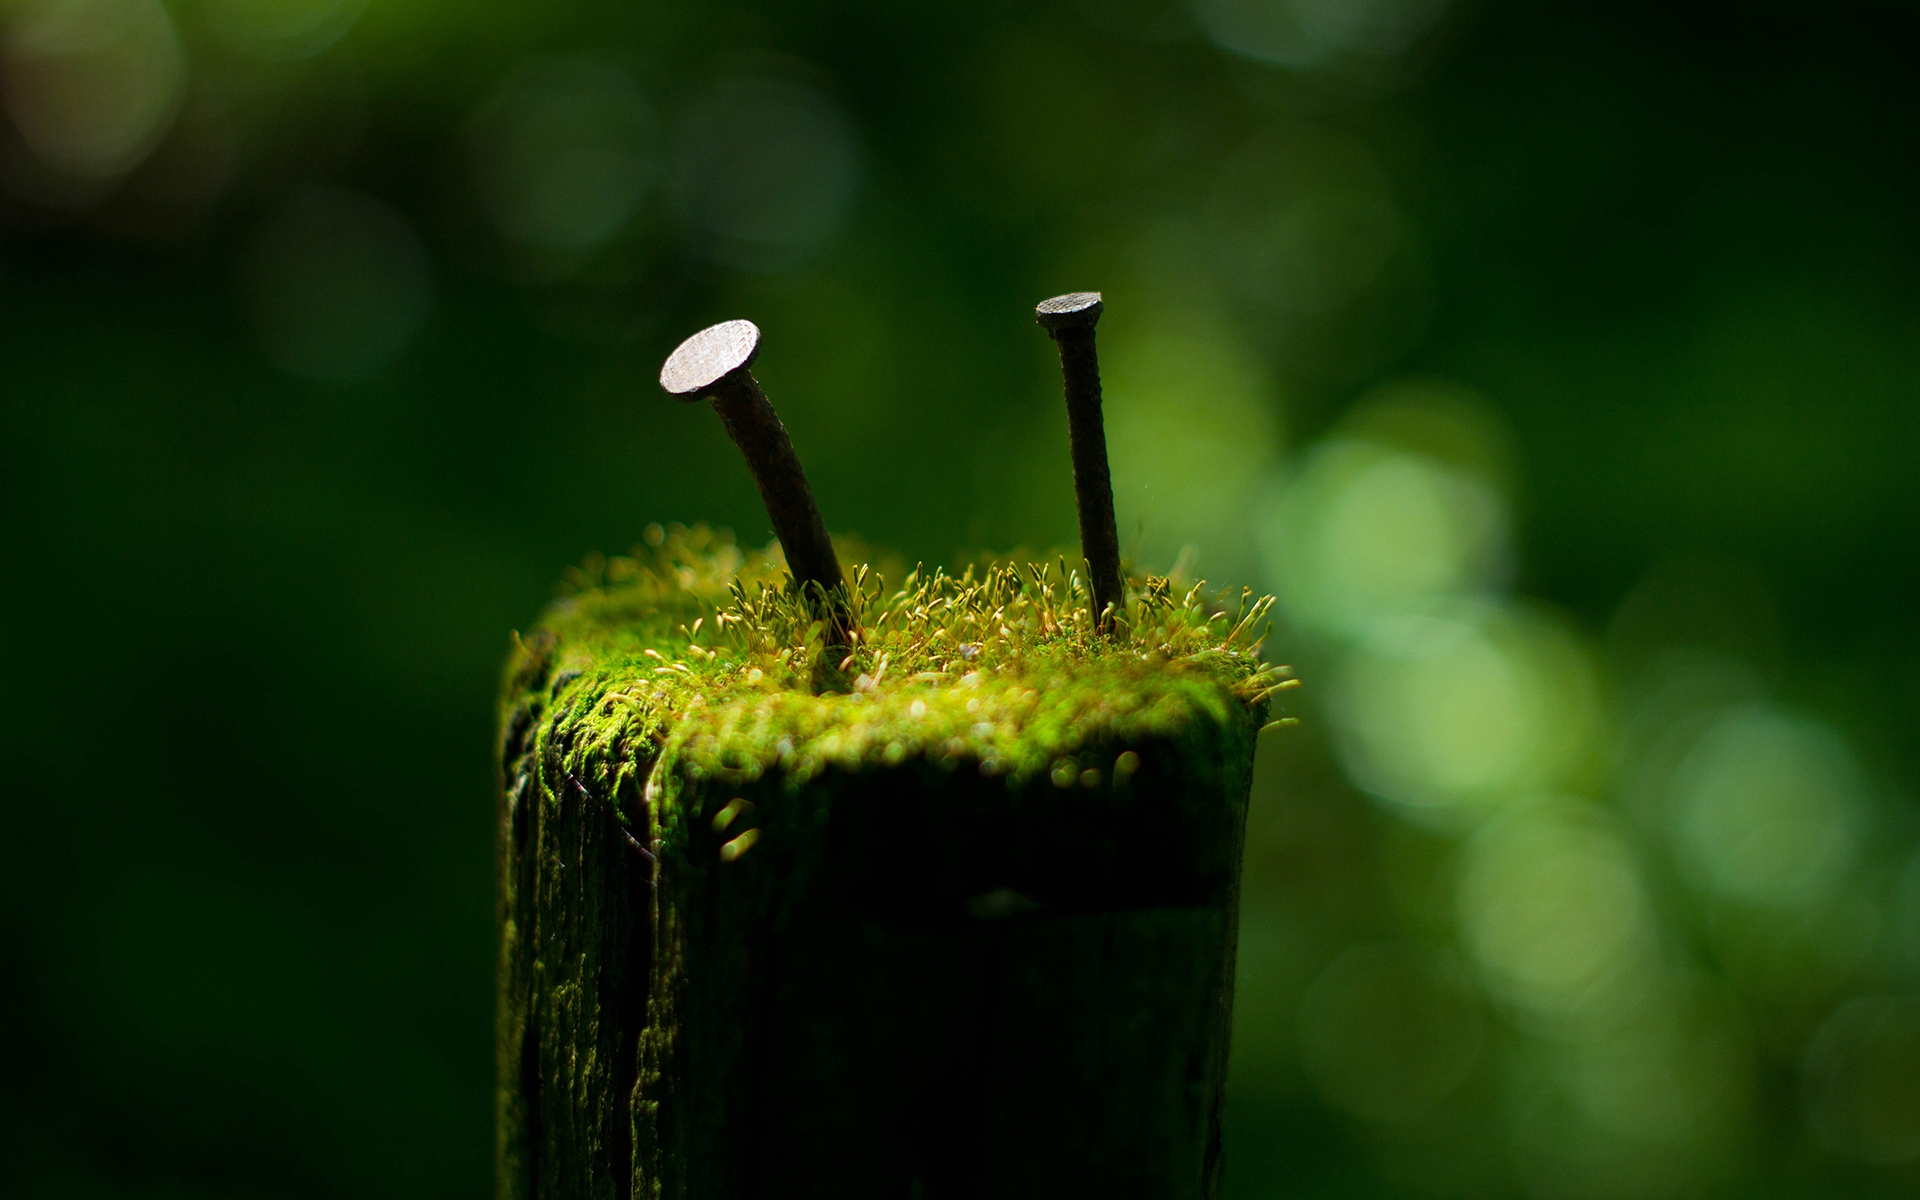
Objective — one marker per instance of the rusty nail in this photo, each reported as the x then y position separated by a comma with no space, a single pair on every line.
1069,320
712,364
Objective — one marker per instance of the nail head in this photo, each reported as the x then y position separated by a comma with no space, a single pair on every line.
1074,310
708,357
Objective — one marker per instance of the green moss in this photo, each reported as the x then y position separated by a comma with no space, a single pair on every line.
987,841
690,660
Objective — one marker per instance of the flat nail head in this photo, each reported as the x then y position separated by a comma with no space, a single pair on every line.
709,356
1075,310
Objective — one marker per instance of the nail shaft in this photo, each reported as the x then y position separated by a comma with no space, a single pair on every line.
1070,320
712,364
756,429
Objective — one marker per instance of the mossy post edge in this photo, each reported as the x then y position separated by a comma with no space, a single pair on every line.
1009,854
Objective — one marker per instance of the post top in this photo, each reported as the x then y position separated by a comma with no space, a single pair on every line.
708,357
1075,310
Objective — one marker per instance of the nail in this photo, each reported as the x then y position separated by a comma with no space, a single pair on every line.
1070,320
712,364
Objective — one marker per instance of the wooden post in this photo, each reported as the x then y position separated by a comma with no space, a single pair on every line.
745,956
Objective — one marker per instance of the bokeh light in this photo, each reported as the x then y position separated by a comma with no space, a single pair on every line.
1306,33
1193,426
1553,909
337,284
1404,508
764,168
281,29
91,85
1768,808
1450,713
565,152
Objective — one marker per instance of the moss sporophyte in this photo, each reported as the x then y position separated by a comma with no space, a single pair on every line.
694,659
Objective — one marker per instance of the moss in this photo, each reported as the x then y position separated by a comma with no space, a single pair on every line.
740,882
688,659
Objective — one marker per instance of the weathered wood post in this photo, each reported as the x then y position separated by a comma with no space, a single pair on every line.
964,928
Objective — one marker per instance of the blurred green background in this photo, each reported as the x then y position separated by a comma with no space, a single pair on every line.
1555,364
